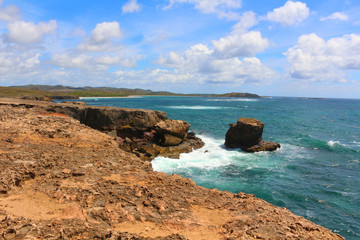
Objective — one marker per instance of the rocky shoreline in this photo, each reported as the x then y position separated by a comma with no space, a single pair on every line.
145,133
61,179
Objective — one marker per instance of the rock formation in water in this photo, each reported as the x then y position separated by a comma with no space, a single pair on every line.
247,135
60,179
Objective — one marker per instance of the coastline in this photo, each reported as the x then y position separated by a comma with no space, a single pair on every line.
131,96
90,180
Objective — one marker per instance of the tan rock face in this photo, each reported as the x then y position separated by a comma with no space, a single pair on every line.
172,132
177,128
60,179
136,125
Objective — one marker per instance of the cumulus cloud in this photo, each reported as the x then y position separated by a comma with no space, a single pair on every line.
336,16
18,63
84,61
29,32
240,45
101,38
204,65
223,8
9,13
289,14
247,20
315,59
131,6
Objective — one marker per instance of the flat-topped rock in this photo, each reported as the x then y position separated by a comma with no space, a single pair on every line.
247,135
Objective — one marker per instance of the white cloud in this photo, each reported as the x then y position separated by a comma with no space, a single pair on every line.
289,14
18,63
9,13
240,45
223,8
204,66
105,31
84,61
336,16
28,32
131,6
247,20
315,59
101,38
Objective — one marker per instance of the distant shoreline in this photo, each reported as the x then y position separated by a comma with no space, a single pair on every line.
131,96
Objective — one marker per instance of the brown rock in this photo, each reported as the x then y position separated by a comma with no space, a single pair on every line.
107,202
247,135
74,102
38,98
176,128
263,146
170,140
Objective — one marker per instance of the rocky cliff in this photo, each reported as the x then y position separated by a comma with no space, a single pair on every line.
146,133
60,179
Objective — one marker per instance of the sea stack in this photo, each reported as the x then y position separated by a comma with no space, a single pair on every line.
247,135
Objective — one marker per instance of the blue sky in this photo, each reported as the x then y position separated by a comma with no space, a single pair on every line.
275,48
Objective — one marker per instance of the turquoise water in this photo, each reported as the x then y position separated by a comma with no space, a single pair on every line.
316,173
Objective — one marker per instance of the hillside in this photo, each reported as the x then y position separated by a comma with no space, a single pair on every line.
58,91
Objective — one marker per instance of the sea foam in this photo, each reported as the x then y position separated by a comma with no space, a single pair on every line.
212,156
332,143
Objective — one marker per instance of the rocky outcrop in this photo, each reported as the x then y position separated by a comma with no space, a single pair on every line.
247,135
60,179
146,133
74,102
64,97
38,98
172,132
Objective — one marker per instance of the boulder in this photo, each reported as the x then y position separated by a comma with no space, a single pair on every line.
171,132
263,146
247,135
176,128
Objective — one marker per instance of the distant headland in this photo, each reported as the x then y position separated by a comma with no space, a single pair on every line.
66,92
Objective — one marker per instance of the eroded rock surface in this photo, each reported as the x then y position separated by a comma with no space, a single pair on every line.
60,179
247,135
146,133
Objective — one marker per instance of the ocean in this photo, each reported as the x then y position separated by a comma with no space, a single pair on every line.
315,174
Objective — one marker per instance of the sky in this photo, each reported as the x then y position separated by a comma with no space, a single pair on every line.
273,48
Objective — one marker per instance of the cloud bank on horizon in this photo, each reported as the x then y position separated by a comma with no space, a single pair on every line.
288,48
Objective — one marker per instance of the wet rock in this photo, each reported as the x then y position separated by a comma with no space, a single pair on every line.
74,102
263,146
247,135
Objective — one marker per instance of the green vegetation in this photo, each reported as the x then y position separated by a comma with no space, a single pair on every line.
62,92
96,93
20,92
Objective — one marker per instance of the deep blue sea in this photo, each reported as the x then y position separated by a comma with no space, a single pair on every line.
315,174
